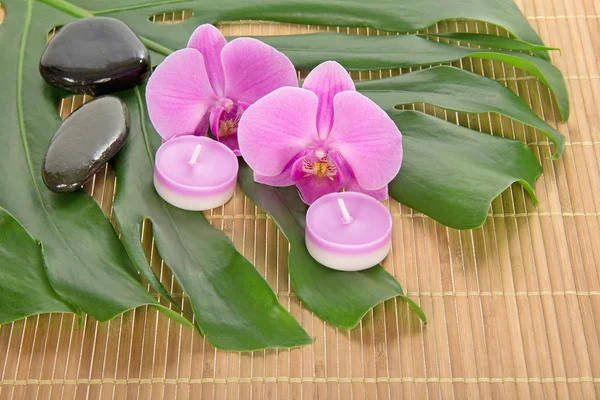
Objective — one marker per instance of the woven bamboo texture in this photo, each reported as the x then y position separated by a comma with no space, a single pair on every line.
513,307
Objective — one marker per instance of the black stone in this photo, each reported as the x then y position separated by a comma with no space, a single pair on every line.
95,56
84,142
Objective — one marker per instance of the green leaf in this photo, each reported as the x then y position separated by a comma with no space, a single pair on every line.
101,280
449,172
337,297
86,263
355,53
24,287
363,53
492,41
388,15
234,306
458,90
415,307
452,173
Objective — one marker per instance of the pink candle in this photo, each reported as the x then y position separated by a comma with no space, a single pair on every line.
195,173
348,231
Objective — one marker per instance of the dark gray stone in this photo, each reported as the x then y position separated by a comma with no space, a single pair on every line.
95,56
84,142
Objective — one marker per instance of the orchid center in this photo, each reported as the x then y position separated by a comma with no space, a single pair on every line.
229,121
226,118
320,168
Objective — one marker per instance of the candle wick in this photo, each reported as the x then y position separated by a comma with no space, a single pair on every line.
346,217
195,155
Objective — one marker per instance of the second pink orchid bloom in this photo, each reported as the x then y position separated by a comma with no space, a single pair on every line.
323,138
212,82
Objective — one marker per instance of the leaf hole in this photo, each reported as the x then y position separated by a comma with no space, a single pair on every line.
175,17
273,28
52,32
67,105
2,13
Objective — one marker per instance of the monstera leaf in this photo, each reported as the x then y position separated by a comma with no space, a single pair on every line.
234,306
443,160
449,172
24,286
387,15
458,90
338,297
360,53
355,53
86,264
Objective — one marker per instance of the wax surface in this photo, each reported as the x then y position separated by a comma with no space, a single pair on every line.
371,221
215,165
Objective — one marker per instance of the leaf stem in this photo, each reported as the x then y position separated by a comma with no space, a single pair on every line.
69,8
152,45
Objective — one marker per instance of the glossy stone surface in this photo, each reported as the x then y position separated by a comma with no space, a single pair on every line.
95,56
84,142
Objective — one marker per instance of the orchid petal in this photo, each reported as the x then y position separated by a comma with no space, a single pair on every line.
343,169
367,138
312,187
231,141
378,194
209,41
215,118
281,180
285,178
202,128
179,95
327,80
224,123
349,182
253,69
276,128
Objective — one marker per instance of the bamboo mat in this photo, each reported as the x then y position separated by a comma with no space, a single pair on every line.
514,307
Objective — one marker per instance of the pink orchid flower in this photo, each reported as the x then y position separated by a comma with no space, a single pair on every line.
213,82
323,137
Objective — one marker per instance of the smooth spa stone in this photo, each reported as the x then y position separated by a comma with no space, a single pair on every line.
95,56
84,142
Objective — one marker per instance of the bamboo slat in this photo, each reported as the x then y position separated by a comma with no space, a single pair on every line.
514,306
